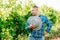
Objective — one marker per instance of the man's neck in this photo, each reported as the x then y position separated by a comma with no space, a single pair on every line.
37,14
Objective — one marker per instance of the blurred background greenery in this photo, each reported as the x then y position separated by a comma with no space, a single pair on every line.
13,17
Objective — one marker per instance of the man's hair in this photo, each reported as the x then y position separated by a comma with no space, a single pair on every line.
34,6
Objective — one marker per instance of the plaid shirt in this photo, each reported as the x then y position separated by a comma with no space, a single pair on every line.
39,33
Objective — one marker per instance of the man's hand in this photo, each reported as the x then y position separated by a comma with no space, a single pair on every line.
45,33
32,26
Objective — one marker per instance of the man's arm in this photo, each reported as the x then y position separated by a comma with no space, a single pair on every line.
29,26
49,25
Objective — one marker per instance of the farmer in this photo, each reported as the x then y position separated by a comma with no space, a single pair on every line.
38,34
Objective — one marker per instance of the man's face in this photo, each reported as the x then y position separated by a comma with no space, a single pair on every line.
34,11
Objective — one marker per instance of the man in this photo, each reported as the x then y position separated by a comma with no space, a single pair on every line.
39,34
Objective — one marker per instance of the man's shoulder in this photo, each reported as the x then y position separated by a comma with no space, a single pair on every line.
42,15
30,17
